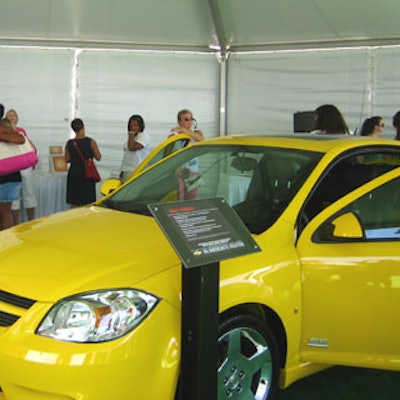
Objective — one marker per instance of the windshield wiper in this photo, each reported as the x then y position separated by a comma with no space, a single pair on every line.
108,203
127,206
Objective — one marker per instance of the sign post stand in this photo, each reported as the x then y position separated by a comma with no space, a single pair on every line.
202,232
199,332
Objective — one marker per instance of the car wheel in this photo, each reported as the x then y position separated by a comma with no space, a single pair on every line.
248,359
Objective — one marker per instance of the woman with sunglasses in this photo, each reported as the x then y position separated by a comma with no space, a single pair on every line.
373,127
187,124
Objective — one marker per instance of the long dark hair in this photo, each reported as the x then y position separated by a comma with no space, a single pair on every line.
330,120
369,124
396,124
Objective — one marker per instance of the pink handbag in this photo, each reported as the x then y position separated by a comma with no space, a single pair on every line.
16,157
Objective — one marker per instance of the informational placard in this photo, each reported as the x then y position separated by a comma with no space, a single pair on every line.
203,231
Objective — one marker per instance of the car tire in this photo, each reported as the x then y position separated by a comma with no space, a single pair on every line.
248,359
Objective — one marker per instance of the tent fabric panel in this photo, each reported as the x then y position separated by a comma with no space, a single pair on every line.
38,86
112,86
265,90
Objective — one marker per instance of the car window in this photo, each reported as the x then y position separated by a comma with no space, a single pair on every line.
257,181
375,216
379,212
345,175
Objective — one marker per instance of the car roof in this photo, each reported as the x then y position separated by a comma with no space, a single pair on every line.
310,141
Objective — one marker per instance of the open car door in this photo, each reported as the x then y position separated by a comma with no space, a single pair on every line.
350,263
164,149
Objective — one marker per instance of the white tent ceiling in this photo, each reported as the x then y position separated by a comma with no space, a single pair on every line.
234,25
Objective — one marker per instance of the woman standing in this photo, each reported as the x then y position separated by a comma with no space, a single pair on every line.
185,125
136,148
80,191
372,127
10,185
28,197
329,120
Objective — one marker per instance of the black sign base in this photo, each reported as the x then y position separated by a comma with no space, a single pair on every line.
199,349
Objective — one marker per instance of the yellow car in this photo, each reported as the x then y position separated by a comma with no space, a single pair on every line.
90,298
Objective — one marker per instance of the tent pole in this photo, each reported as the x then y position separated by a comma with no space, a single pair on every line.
223,76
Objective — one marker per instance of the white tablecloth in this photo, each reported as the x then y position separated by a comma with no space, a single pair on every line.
50,189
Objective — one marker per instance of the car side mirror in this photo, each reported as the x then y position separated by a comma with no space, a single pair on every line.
345,226
109,185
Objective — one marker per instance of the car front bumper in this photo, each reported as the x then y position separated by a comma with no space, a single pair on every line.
141,365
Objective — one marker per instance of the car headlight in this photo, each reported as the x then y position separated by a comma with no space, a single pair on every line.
97,316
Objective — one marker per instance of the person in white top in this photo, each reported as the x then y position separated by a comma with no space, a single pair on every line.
136,148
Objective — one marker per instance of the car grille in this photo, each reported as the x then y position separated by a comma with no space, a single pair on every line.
7,319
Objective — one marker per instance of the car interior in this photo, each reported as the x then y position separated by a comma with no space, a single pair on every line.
346,175
276,179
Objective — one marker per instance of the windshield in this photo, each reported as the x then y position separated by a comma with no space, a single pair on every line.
167,150
257,181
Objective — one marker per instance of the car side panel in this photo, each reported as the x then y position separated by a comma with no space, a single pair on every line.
351,292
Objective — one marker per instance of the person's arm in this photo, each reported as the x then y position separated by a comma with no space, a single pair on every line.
67,155
8,134
23,131
95,149
197,135
178,129
133,145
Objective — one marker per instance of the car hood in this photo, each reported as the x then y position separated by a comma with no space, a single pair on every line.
82,249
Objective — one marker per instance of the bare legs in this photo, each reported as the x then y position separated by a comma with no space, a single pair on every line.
6,219
30,213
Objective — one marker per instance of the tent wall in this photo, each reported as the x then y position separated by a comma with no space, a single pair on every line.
49,86
264,90
37,83
114,85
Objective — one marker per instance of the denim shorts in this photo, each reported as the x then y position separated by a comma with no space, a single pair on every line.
10,191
